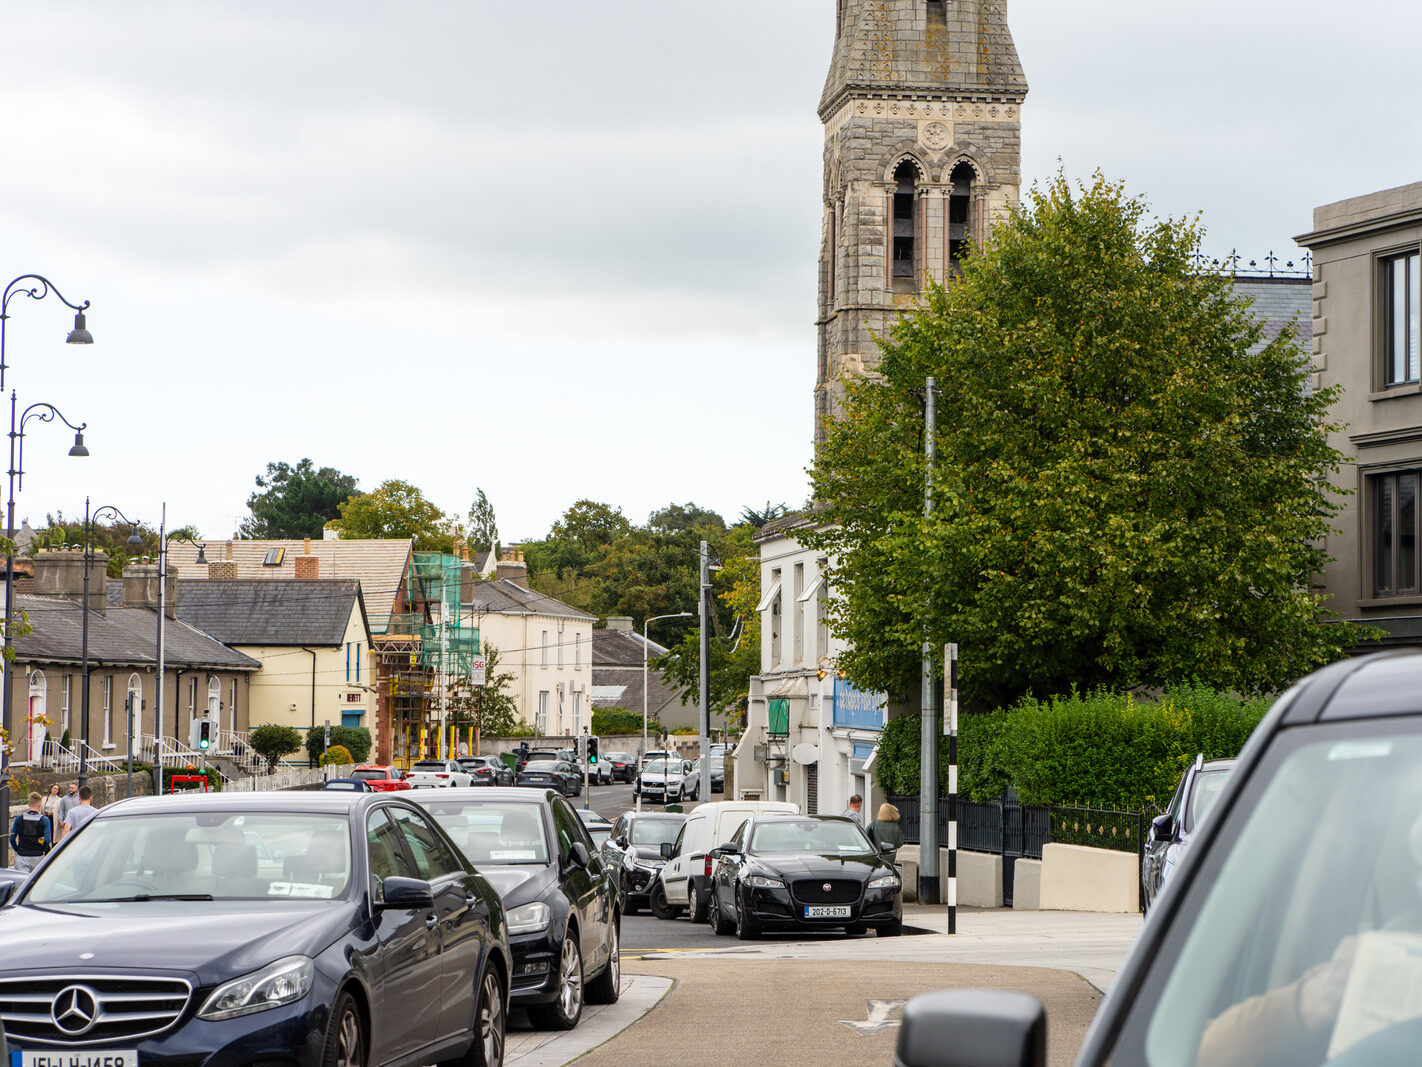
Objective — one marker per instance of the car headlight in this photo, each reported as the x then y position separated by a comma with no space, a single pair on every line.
884,881
283,982
633,864
527,918
761,881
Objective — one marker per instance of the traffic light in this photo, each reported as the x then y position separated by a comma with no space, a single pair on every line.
592,749
205,734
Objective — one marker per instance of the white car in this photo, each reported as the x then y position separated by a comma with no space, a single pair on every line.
438,774
661,779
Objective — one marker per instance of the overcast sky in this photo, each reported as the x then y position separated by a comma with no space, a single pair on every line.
553,250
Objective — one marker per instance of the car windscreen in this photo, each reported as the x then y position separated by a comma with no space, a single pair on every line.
620,757
1301,934
661,766
370,776
1208,785
493,832
809,835
542,766
429,765
655,831
202,856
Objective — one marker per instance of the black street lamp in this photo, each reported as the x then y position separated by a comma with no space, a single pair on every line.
40,288
134,541
158,707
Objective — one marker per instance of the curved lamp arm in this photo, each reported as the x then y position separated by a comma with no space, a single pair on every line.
40,288
44,413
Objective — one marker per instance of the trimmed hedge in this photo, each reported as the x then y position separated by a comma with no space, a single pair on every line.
1108,749
354,739
609,722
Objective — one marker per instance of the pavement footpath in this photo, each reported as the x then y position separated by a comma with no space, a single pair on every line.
838,1002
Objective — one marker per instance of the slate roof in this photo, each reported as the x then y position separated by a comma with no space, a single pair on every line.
379,563
503,596
121,636
273,611
1278,302
617,673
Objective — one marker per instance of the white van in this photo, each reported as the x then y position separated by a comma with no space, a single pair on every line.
687,872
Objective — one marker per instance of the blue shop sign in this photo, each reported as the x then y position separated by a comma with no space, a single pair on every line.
856,708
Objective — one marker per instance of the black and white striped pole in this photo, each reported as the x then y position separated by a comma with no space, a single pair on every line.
950,729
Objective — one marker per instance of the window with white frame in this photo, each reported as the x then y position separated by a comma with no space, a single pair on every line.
39,699
232,705
214,700
560,644
108,711
577,652
1402,319
66,685
192,703
133,699
545,648
541,720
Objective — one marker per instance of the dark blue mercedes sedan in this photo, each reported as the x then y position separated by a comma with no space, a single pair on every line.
256,930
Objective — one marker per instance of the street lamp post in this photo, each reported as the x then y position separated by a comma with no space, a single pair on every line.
38,288
159,696
646,625
134,541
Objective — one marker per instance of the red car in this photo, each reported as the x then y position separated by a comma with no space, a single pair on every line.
381,779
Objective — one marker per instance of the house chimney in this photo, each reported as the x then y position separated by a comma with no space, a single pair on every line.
620,623
60,572
513,571
307,567
140,588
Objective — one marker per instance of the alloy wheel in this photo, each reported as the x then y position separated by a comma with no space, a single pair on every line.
570,979
350,1042
492,1021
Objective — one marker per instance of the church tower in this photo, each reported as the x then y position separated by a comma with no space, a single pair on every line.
922,114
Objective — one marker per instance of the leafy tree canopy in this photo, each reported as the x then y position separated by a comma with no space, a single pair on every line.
1130,483
483,526
272,742
398,509
681,518
296,501
491,708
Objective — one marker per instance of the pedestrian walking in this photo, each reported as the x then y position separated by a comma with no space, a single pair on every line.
885,829
53,803
856,805
81,812
30,835
70,799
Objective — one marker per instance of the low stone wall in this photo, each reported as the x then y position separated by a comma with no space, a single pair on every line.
1077,878
1027,885
979,877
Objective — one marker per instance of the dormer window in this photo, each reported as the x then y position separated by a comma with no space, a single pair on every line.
273,557
905,258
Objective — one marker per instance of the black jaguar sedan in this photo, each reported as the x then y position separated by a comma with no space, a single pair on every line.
563,907
551,774
805,872
272,929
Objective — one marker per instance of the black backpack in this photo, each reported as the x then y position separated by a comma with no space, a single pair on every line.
29,839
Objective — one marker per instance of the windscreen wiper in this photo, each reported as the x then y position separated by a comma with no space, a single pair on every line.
138,897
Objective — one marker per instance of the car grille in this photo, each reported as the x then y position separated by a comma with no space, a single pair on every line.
826,890
72,1010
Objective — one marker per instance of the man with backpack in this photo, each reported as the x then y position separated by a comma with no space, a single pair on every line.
30,835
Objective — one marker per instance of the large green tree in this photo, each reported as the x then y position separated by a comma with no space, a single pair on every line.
1131,482
398,509
483,526
295,501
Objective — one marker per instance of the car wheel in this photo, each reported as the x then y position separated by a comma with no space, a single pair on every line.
606,987
746,927
893,929
567,1007
695,904
719,923
660,907
345,1036
490,1024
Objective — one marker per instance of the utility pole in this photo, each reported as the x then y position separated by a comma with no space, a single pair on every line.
950,729
704,790
928,733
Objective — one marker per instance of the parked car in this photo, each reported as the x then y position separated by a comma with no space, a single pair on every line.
623,765
487,770
350,785
1288,932
562,903
599,827
661,780
10,882
438,774
158,934
536,754
381,779
1196,793
805,872
635,851
684,881
656,753
691,783
551,774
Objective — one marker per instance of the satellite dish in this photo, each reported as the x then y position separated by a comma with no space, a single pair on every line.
806,753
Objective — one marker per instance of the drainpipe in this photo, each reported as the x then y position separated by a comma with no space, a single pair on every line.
310,760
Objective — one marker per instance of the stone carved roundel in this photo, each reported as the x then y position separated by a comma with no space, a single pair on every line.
937,136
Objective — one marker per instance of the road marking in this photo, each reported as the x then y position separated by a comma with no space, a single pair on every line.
878,1020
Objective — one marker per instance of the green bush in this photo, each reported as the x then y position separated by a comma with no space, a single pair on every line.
213,776
338,755
273,742
354,739
1107,749
607,722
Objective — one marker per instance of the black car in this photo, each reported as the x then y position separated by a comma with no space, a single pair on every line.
349,785
551,774
635,851
691,784
1196,793
295,928
599,827
1290,932
487,770
623,764
805,872
561,901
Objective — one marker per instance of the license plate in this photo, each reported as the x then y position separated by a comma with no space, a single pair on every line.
827,911
127,1057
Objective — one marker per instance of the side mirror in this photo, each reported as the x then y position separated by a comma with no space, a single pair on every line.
1163,828
621,842
727,849
579,854
6,889
407,894
994,1029
666,850
888,848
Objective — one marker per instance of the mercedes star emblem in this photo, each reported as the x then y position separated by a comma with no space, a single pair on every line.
76,1009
